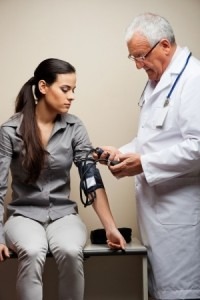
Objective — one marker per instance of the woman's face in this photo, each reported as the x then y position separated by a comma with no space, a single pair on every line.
57,98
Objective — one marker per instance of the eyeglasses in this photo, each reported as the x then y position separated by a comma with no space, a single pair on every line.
143,57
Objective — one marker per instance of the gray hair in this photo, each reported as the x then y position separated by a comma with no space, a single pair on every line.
153,27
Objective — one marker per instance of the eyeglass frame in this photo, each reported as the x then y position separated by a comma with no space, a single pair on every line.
143,57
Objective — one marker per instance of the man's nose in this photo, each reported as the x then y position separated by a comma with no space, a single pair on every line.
139,64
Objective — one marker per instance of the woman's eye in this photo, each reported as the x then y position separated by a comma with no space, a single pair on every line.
67,89
64,90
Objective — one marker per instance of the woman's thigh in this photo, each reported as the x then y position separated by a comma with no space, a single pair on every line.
25,233
67,233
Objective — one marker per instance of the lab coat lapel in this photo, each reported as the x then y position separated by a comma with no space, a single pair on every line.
172,71
163,84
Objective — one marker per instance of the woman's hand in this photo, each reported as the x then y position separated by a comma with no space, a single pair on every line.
4,252
115,240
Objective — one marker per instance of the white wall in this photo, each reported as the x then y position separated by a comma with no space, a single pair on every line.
90,35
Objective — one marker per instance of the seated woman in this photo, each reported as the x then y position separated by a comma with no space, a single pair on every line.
38,144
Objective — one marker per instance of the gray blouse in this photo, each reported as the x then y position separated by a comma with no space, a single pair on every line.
49,196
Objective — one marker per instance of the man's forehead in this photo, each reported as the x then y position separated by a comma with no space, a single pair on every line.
138,43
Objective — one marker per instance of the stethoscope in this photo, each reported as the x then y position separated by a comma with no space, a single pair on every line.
166,103
167,100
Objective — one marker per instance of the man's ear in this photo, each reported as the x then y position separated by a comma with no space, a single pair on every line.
166,46
42,86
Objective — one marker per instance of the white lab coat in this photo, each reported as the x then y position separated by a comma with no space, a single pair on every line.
168,191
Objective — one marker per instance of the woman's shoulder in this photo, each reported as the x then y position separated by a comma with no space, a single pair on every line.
70,118
13,121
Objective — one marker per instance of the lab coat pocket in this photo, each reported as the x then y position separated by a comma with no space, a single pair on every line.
162,116
178,201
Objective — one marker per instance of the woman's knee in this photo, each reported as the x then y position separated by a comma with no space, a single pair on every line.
71,253
32,252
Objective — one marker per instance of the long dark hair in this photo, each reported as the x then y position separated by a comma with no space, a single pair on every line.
34,154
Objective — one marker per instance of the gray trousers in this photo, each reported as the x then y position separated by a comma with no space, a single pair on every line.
64,237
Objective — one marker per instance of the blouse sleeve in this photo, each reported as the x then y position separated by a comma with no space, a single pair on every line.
5,160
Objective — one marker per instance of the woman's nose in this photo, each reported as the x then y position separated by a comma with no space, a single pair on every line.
70,95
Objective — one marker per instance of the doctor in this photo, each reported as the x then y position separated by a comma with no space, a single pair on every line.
165,157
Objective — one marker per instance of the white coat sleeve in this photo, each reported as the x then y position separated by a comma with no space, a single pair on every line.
130,147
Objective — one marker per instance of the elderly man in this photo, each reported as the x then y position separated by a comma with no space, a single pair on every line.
165,158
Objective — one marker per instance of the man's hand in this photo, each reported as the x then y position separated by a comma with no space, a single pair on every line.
109,153
130,165
4,252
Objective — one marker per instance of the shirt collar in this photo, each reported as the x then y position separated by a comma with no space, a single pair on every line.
61,121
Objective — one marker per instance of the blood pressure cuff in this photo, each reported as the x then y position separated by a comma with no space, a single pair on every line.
98,236
90,177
